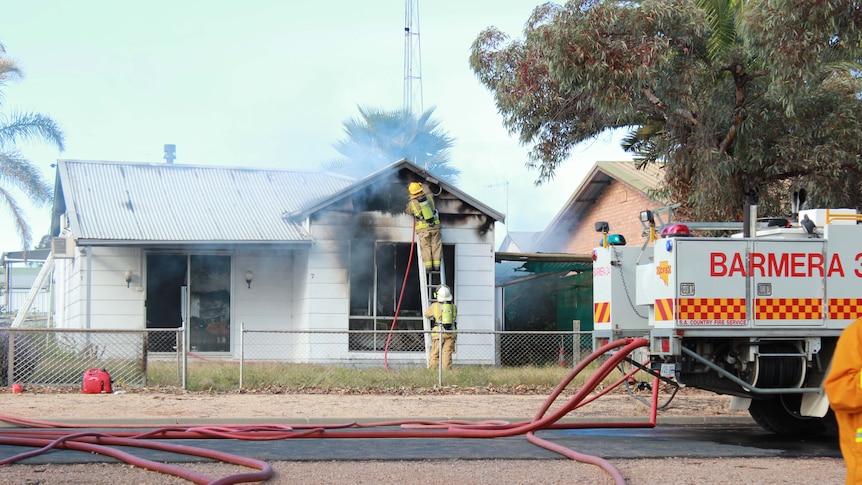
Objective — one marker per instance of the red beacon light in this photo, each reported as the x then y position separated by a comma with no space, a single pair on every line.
675,230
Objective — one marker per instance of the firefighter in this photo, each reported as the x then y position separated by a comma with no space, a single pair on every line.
421,206
442,314
844,388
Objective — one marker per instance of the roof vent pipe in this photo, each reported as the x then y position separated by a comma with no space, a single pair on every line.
170,153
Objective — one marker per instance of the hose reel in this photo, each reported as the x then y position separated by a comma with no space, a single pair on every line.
779,365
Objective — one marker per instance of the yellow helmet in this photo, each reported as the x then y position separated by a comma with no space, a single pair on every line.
415,188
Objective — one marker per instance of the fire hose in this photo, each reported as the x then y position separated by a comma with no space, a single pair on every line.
45,435
400,297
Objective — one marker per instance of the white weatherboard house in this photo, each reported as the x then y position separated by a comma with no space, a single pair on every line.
151,245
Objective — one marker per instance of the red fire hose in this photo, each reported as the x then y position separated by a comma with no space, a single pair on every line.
37,435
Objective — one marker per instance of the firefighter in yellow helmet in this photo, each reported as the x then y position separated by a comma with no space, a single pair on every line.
421,206
442,314
843,386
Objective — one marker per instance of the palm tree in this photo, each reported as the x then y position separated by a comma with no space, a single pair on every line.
378,138
17,173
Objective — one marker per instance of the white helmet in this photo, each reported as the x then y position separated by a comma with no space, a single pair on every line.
444,294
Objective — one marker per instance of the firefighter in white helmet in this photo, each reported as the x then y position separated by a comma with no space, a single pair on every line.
442,314
843,386
423,209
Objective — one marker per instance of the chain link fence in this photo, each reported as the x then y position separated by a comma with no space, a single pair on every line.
50,356
60,357
410,348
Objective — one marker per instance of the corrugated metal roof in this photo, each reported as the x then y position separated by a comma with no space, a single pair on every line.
512,268
162,203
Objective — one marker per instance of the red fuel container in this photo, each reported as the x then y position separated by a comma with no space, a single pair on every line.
96,381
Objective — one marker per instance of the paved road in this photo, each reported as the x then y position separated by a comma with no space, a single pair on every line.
701,441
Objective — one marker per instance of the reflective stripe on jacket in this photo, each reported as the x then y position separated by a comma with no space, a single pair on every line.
424,211
843,386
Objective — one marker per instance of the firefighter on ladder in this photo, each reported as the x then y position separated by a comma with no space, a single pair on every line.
423,209
442,314
843,386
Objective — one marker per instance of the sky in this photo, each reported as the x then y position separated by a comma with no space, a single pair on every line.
267,84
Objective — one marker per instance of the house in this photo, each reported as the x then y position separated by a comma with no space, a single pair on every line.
552,286
518,241
155,245
613,192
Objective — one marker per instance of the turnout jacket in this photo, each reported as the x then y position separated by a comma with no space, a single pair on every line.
843,386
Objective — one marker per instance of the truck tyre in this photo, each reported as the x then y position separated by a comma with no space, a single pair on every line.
779,414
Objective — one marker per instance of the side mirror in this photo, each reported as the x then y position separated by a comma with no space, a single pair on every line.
602,227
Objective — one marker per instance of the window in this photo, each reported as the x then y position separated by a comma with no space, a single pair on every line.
377,274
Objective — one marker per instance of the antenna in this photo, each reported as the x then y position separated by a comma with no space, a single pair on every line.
508,217
412,58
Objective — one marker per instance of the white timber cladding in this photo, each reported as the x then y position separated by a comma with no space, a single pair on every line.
267,305
113,303
67,302
92,291
327,285
473,293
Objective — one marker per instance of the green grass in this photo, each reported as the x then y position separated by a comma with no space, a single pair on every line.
262,377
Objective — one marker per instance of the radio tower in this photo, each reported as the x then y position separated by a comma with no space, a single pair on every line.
412,58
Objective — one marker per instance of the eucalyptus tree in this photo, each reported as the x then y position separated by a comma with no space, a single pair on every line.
378,138
737,99
18,175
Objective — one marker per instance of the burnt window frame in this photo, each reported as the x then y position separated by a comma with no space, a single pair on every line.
377,271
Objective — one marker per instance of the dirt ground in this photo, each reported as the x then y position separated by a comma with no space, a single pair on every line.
171,407
448,403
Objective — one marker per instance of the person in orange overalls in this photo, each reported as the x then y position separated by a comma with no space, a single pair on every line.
844,388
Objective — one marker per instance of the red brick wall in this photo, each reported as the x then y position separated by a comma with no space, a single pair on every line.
619,205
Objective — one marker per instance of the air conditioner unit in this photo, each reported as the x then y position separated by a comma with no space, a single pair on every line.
63,247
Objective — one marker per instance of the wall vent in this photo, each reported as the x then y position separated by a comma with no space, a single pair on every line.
63,247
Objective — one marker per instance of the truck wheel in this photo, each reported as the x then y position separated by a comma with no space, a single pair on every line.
780,415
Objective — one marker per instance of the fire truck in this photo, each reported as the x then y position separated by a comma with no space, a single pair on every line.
756,317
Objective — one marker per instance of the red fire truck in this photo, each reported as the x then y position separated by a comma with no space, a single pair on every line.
753,317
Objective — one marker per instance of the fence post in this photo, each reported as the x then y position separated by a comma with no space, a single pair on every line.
576,342
10,370
182,339
145,354
241,352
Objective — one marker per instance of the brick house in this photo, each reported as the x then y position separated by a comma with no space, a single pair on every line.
614,192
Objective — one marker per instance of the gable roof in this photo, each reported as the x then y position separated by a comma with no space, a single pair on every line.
162,203
603,173
388,172
519,241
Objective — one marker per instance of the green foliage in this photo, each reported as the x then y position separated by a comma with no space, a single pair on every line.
378,138
17,173
735,98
